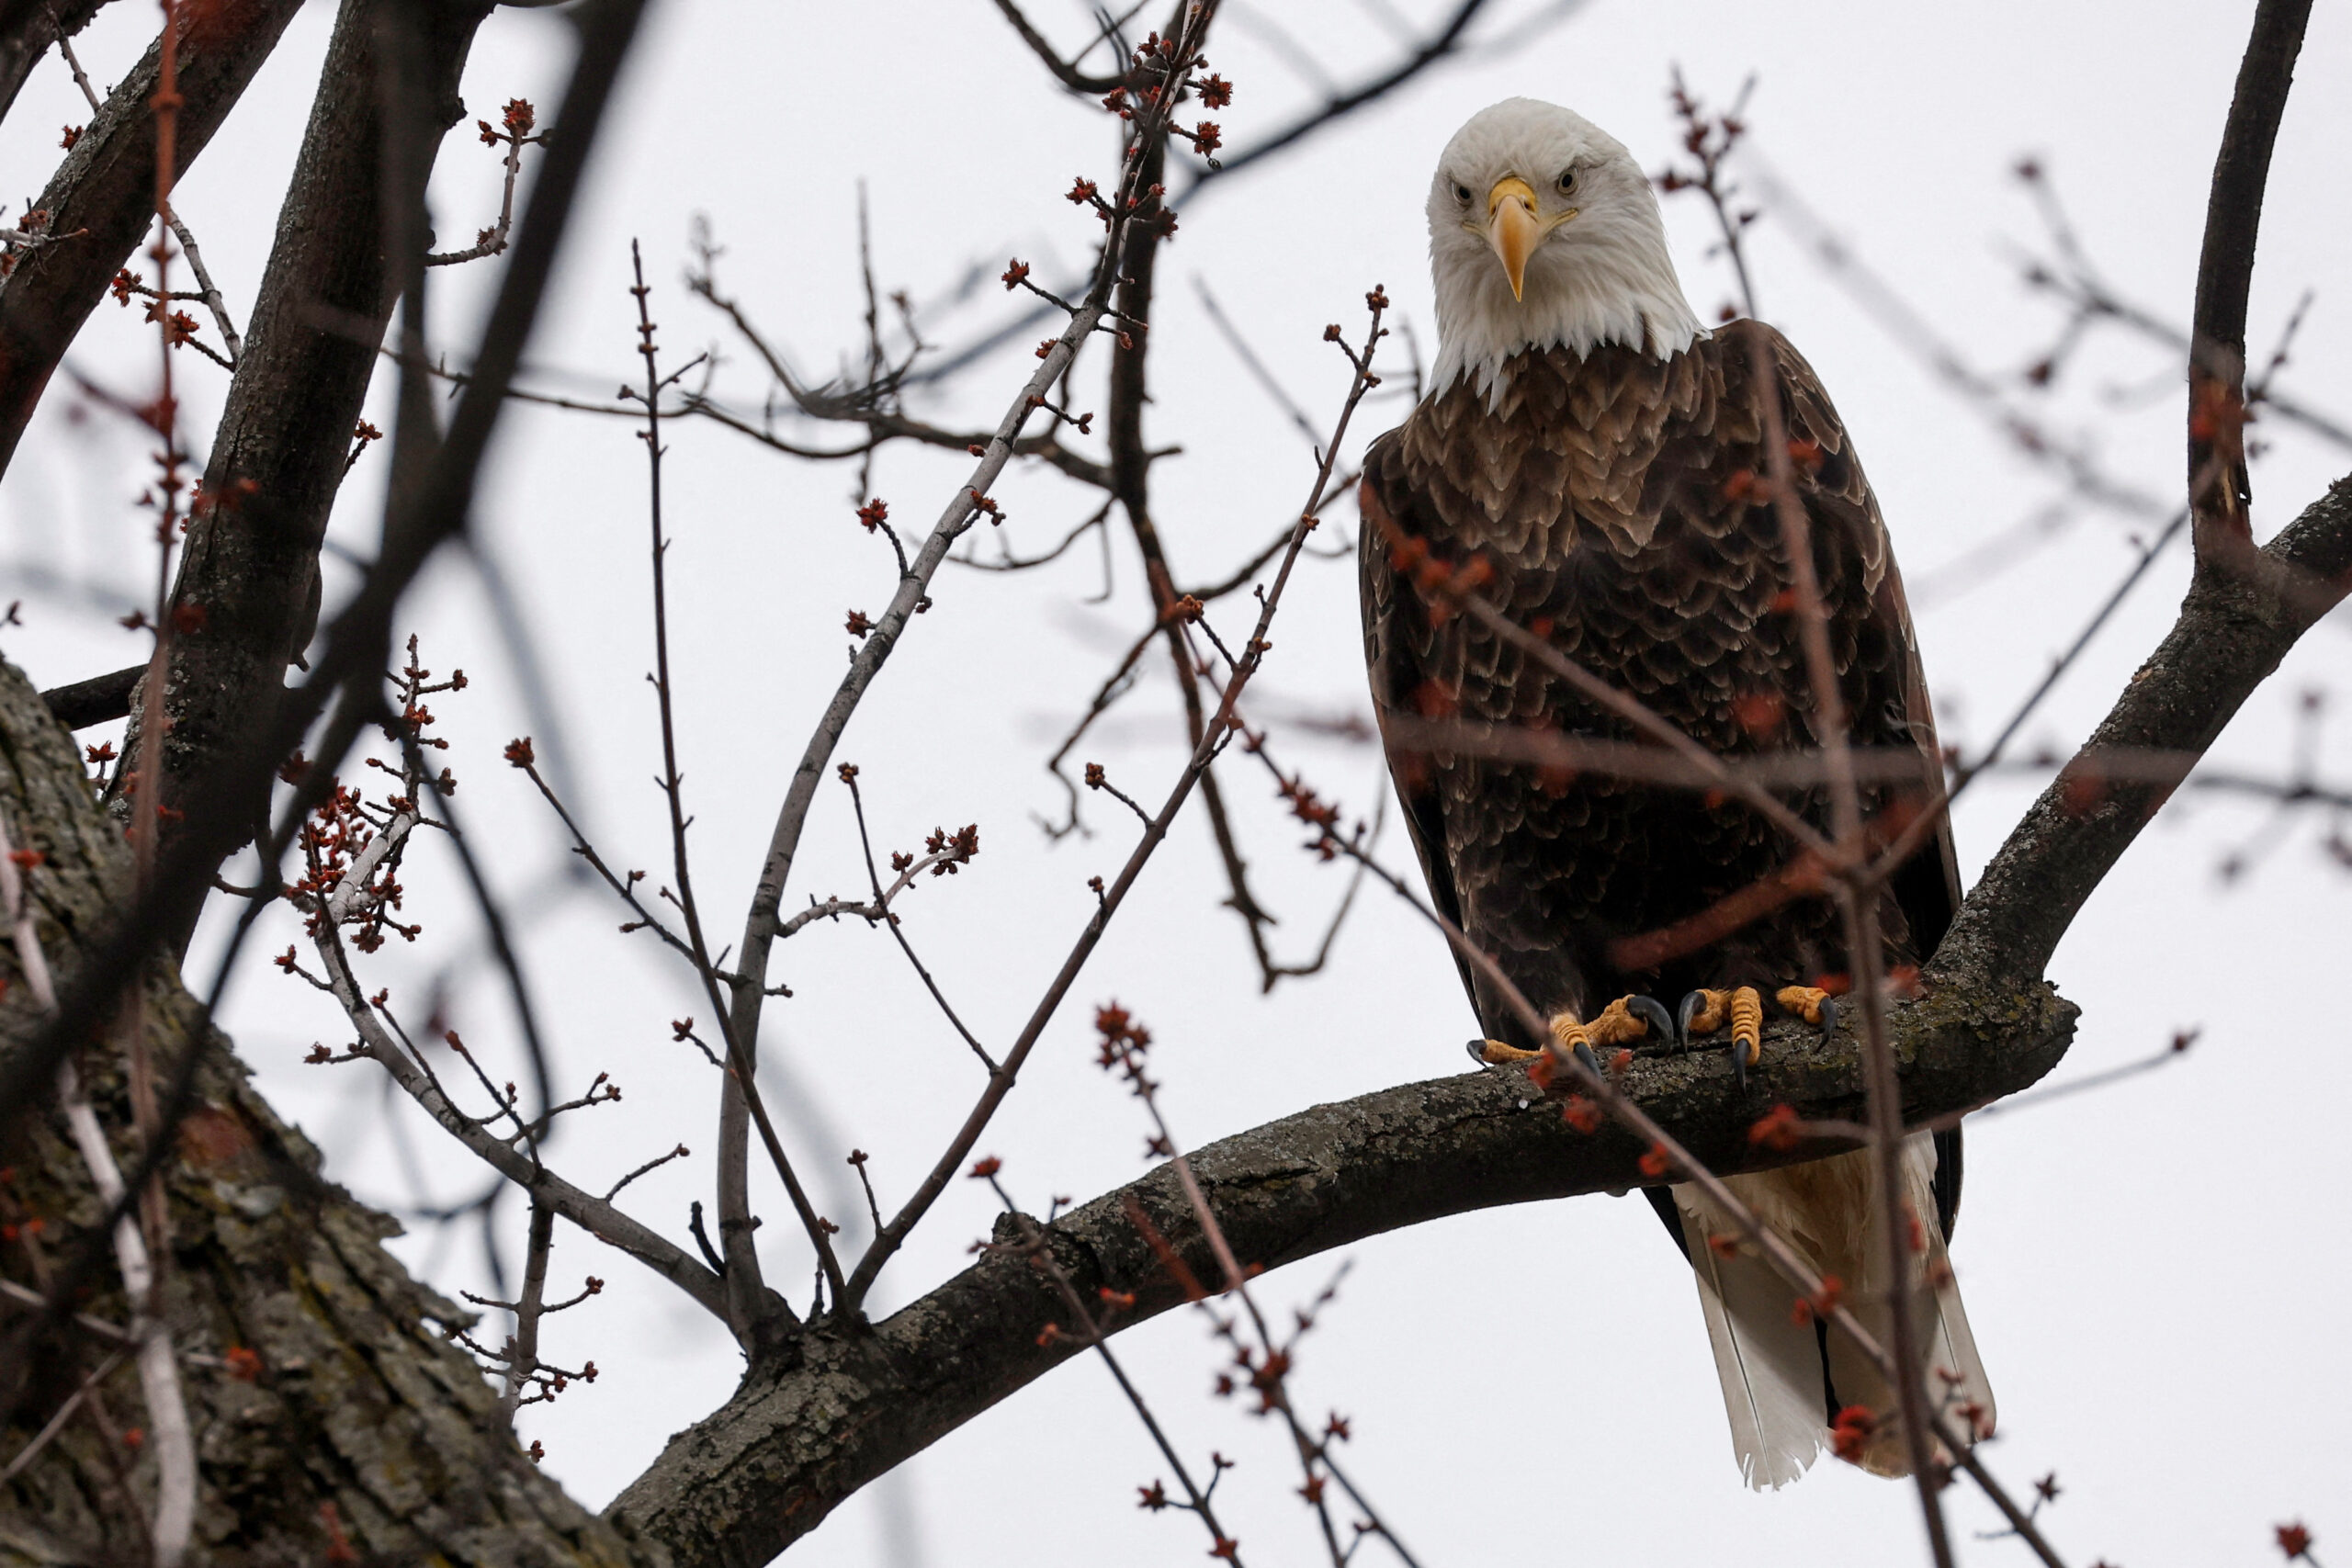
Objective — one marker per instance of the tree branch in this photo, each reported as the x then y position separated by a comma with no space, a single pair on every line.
102,198
1065,72
249,583
345,1375
2217,473
764,1470
26,30
2233,628
1438,46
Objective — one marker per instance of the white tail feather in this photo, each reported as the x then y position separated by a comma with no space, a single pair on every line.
1769,1357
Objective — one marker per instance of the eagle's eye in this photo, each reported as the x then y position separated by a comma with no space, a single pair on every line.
1567,181
1462,194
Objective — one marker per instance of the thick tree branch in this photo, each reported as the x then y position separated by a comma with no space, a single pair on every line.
102,198
248,584
2235,628
766,1469
101,699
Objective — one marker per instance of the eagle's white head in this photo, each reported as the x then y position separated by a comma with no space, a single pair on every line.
1544,230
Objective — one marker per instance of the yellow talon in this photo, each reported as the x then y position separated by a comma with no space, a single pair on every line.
1624,1020
1710,1016
1747,1023
1619,1024
1568,1032
1805,1001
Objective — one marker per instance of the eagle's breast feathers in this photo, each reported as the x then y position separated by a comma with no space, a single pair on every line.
1621,504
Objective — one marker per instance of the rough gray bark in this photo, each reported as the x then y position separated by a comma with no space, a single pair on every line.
104,193
363,1424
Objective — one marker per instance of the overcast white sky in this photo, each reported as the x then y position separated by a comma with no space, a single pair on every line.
2155,1273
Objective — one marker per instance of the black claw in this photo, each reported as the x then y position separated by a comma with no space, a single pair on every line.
1685,1013
1652,1011
1584,1054
1828,1017
1739,1065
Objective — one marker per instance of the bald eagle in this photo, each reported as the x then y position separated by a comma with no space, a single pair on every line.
1598,451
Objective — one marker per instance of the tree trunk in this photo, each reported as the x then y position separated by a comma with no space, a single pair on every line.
355,1433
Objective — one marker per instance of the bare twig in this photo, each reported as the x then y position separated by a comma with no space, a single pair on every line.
760,925
522,1348
515,130
1037,1248
734,1211
1268,1363
1216,734
882,904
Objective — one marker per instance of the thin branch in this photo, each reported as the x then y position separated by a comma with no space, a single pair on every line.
882,903
207,292
1035,1249
591,1214
734,1212
866,663
514,131
1251,362
1066,72
520,755
522,1348
1268,1363
2218,486
1440,44
1214,736
2166,1057
1858,896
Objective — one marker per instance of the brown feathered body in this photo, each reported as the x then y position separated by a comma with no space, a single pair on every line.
1619,504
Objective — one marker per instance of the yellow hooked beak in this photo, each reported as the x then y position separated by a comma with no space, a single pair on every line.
1514,229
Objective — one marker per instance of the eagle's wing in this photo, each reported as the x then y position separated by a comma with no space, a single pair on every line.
1391,662
1927,886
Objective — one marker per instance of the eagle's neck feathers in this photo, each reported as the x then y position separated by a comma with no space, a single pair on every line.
1609,287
